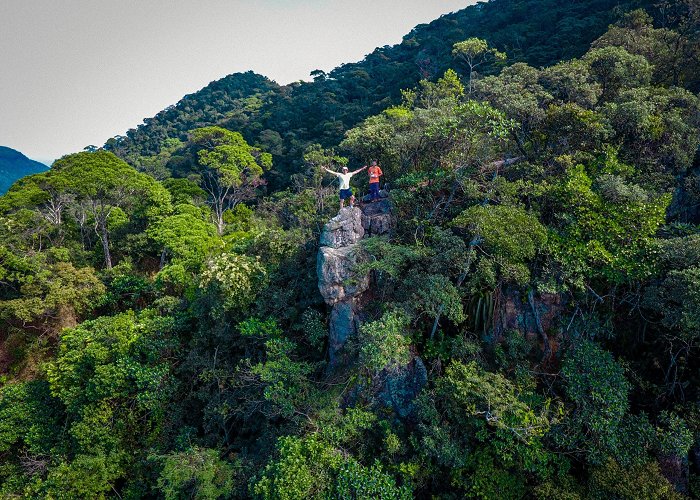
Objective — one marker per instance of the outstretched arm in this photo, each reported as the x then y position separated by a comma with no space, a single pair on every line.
359,170
329,171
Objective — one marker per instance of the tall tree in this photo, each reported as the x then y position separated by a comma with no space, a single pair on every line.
230,169
475,52
102,183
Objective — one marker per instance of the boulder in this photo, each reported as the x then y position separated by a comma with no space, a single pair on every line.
376,218
337,279
394,389
380,207
344,229
397,388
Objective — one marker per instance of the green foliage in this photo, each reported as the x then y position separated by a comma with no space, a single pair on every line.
507,231
230,168
113,383
184,191
493,400
597,386
30,421
233,279
287,385
196,473
311,468
475,52
608,228
434,128
614,68
186,237
435,294
388,258
533,308
600,426
504,425
511,238
674,436
383,343
677,299
639,481
51,294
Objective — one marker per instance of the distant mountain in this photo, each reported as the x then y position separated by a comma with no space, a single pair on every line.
14,165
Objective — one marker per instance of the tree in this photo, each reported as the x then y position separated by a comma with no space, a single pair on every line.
669,51
47,193
185,236
113,377
310,467
52,293
230,170
102,183
233,281
613,68
196,473
383,343
475,52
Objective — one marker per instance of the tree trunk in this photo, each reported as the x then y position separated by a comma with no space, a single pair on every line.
219,214
104,236
220,223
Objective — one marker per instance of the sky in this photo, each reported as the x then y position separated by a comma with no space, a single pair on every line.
77,72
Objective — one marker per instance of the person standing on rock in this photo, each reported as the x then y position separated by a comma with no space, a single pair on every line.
374,174
345,190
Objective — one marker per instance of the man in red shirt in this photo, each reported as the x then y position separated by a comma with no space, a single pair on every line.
374,173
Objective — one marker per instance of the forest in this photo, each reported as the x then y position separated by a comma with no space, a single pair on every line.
184,312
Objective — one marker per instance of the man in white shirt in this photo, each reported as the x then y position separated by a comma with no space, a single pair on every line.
345,190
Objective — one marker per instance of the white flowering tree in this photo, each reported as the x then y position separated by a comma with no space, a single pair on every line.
234,279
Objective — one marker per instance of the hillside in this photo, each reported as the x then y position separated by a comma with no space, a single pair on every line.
287,120
512,312
14,165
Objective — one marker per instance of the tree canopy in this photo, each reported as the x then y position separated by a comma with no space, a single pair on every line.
529,327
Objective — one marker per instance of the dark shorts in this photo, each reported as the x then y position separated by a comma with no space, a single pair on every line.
345,194
374,189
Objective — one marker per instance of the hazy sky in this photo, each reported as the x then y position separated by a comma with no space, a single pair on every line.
77,72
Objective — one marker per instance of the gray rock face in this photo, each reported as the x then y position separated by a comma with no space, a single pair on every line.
393,389
398,388
376,218
337,280
338,258
344,324
344,229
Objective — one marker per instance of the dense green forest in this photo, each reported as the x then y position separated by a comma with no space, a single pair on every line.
519,318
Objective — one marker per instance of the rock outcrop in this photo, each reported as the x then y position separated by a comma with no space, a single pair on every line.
537,317
338,281
397,388
338,258
345,289
344,229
